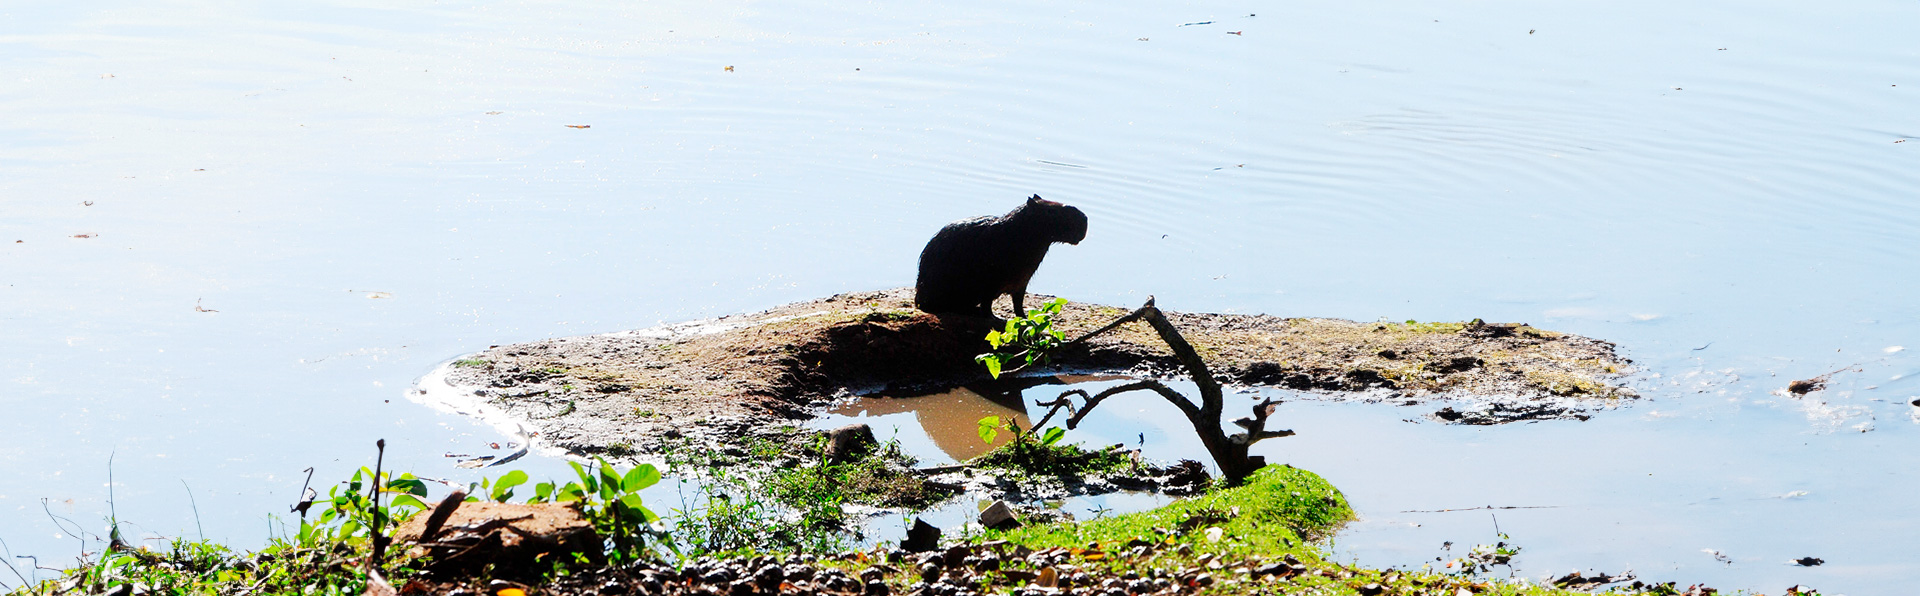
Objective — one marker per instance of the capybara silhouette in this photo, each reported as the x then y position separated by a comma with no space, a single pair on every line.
971,262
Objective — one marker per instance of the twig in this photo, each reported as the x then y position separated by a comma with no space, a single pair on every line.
78,532
307,495
379,546
196,510
440,514
25,584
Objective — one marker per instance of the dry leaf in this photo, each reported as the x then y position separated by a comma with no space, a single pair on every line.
579,126
729,69
85,235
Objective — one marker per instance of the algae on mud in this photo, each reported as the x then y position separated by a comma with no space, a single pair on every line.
719,380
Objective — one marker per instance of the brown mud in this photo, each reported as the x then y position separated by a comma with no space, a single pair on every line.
721,381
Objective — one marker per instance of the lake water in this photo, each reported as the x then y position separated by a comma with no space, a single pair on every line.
355,193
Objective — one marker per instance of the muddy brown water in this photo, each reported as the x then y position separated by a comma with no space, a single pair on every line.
352,195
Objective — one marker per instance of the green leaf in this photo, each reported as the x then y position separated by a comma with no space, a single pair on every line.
609,480
503,488
1052,436
408,485
641,477
409,501
586,478
542,492
993,366
989,429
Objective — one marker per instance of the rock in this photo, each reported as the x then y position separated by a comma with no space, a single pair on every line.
999,516
849,443
769,577
922,537
512,539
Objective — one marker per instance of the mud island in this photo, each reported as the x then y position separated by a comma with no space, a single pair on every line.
720,380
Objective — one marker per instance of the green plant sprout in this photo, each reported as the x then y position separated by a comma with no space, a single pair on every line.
1029,340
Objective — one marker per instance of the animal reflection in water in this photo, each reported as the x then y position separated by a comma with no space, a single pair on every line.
952,417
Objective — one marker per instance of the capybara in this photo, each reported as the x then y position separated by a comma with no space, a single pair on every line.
971,262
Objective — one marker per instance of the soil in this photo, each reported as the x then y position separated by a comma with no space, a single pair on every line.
723,380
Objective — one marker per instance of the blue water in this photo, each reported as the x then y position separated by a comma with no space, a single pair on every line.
329,178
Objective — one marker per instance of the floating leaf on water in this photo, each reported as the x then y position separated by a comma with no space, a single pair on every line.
579,126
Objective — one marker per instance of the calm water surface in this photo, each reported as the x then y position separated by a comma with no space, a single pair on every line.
361,191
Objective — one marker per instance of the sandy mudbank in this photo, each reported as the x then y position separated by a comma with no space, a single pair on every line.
717,381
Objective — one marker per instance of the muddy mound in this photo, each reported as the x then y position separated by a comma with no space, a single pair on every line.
719,381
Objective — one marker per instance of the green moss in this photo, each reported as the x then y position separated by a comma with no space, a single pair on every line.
472,363
1029,456
1277,511
1281,513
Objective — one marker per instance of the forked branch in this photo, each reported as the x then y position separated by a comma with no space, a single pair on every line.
1229,452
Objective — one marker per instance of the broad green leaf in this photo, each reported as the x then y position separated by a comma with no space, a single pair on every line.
407,485
586,478
1052,436
989,429
993,367
503,488
641,477
409,501
542,492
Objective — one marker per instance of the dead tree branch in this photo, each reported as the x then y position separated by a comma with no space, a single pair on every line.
1229,452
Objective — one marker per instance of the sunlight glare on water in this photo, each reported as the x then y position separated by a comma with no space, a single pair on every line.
353,192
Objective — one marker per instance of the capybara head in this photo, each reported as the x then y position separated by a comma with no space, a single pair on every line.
1063,222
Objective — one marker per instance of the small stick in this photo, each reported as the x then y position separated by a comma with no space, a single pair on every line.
440,514
379,545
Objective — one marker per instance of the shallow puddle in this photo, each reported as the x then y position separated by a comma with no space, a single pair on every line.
1657,489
